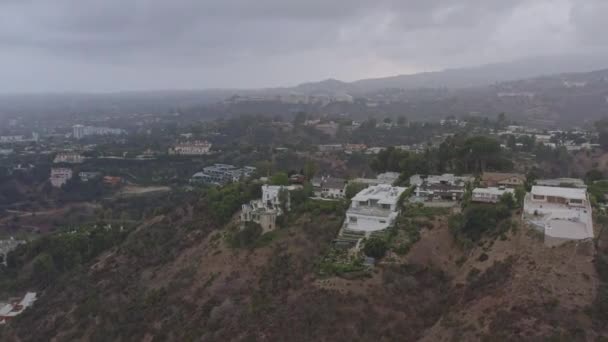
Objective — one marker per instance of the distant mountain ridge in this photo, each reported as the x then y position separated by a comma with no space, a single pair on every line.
462,77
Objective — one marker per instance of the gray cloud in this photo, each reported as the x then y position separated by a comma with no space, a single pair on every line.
145,44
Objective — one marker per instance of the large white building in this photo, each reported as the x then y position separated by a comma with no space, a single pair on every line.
374,208
60,176
69,158
562,214
80,131
195,148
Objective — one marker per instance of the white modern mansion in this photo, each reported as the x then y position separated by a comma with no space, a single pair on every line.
374,208
563,214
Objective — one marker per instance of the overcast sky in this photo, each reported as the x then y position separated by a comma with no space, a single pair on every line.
110,45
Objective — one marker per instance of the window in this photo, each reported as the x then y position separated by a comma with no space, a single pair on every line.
538,197
576,201
352,219
386,206
382,221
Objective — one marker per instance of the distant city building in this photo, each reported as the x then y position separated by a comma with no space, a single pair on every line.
60,176
222,174
195,148
331,148
80,131
343,98
490,195
87,176
68,158
329,128
11,138
374,208
352,148
374,150
112,180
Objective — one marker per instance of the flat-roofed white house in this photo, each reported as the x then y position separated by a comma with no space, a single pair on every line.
490,195
563,214
374,208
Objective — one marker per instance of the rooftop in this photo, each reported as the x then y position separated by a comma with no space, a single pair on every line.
492,191
384,194
574,182
572,193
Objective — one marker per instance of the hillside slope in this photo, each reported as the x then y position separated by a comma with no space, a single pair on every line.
175,278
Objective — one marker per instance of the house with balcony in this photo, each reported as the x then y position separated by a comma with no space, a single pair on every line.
445,187
329,187
562,214
374,208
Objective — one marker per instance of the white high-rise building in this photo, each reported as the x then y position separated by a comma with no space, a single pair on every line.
78,131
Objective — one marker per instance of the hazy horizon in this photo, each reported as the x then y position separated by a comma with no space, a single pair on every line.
124,46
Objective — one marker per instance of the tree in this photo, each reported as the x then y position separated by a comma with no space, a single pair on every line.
401,121
593,175
44,269
353,189
263,168
279,178
477,220
602,129
507,200
299,119
310,169
520,194
375,247
479,151
247,236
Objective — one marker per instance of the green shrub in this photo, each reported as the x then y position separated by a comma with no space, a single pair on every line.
478,220
375,247
246,237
